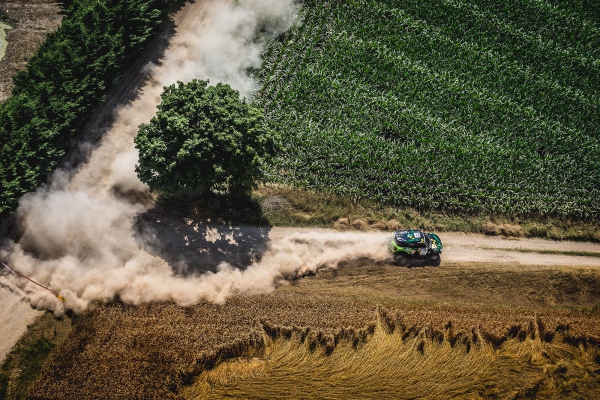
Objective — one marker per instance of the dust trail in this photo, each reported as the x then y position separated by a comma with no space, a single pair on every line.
77,234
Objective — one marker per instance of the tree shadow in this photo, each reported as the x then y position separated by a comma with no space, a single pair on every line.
124,92
199,246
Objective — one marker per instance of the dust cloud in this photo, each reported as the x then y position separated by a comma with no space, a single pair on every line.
77,233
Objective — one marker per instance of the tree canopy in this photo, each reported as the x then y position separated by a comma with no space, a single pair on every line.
203,138
71,74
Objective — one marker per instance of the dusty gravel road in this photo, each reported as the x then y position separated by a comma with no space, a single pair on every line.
16,314
462,247
477,248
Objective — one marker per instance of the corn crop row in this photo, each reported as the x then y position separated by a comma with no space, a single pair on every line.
475,106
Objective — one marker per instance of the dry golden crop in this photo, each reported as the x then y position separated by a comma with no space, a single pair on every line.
162,350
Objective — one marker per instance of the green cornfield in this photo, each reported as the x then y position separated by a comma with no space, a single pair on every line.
463,106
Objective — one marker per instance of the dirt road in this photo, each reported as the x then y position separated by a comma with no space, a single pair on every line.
16,313
477,248
100,175
462,247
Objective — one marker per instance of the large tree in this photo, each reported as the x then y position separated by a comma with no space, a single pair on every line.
203,138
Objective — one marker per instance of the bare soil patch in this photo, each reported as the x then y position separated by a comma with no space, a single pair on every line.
31,21
16,314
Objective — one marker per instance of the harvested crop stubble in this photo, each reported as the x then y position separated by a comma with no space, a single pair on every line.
153,351
398,364
121,351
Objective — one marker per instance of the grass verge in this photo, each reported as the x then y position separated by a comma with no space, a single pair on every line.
289,206
23,364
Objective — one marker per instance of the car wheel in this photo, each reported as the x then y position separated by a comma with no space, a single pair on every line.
400,260
434,259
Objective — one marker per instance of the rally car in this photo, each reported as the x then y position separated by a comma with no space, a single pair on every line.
411,247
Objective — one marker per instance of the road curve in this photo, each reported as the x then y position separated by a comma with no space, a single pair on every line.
16,314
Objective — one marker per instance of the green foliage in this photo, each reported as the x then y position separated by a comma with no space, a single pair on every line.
31,358
23,364
64,82
203,138
463,106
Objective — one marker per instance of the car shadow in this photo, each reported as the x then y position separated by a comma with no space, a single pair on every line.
410,262
196,247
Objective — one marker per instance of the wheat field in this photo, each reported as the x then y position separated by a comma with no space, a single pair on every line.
359,331
392,365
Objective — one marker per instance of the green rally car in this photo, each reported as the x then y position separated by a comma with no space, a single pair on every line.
411,246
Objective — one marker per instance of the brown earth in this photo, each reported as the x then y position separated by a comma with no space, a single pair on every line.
31,21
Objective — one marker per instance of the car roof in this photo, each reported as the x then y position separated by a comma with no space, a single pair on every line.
409,236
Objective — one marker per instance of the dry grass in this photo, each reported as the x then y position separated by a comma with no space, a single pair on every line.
509,230
164,351
329,321
307,208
